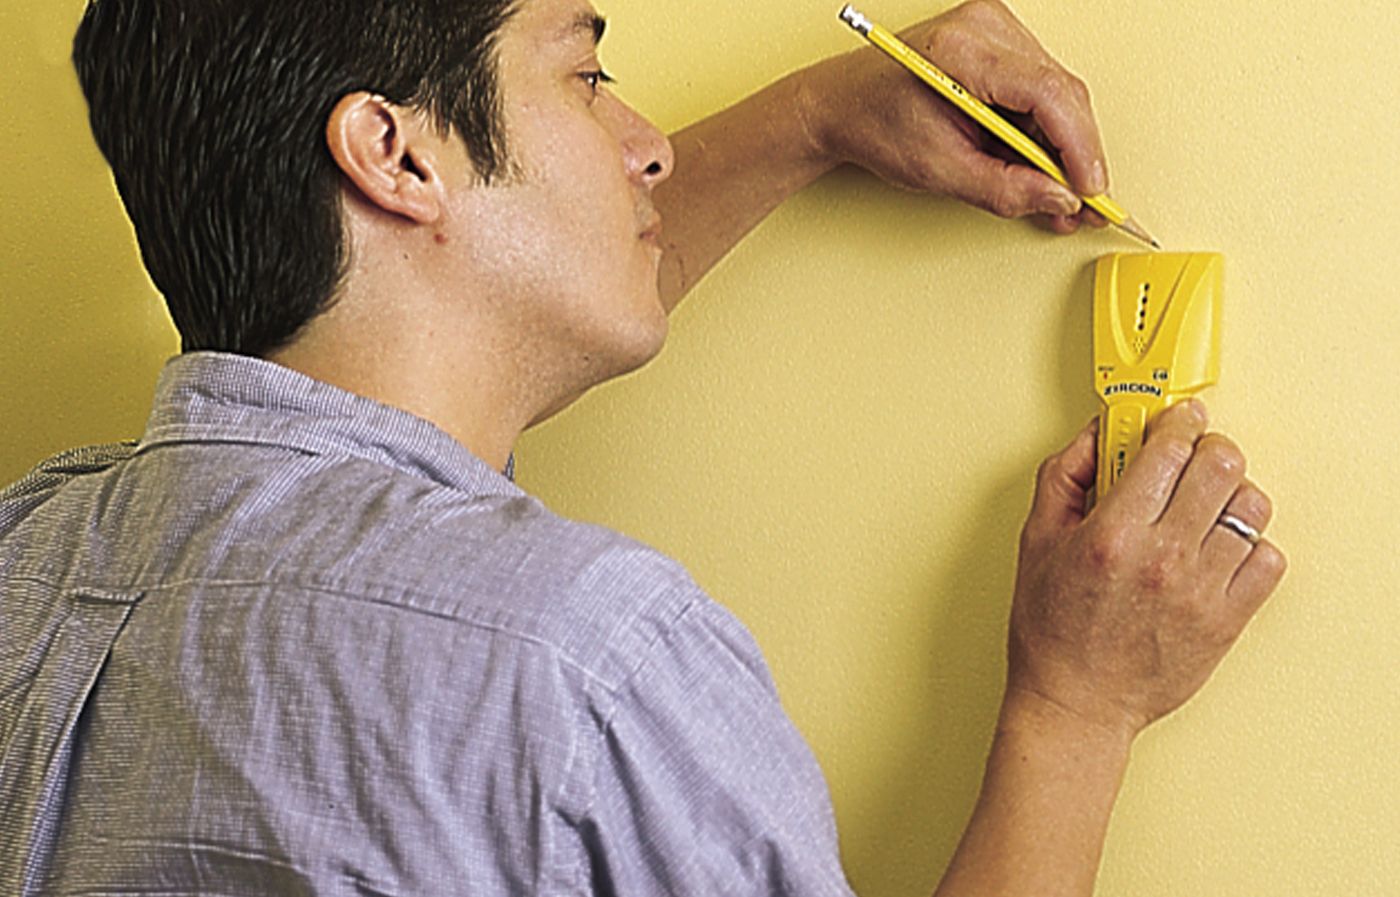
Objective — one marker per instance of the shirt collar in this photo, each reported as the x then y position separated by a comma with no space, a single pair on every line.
218,397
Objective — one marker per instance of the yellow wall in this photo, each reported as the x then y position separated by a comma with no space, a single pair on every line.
840,437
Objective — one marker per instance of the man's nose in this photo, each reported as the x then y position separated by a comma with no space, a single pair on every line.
650,156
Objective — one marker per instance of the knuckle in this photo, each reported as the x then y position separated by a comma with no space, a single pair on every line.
1189,414
1274,562
983,8
1058,84
1004,203
1224,455
1178,450
1154,577
934,177
1160,573
969,24
1105,549
1221,635
1257,505
1080,89
1002,208
951,41
920,171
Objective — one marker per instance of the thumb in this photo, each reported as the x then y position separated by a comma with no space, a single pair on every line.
1063,485
1008,189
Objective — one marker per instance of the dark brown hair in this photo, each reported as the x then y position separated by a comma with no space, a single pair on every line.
212,114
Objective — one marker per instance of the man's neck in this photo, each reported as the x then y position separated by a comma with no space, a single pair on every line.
471,404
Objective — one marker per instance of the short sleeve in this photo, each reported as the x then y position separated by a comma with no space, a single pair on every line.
703,785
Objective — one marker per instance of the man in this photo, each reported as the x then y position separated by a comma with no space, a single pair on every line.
306,637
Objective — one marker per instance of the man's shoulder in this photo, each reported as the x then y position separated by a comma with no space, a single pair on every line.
596,596
352,530
19,499
593,595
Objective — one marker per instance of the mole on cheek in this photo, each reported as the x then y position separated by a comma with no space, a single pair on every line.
440,239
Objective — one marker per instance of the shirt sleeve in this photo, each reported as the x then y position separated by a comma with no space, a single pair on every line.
703,785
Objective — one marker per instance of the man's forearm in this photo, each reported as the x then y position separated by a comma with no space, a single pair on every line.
732,170
1040,823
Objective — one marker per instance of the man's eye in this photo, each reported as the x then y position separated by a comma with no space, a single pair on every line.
593,79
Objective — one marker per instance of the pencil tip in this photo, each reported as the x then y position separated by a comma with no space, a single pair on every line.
1132,227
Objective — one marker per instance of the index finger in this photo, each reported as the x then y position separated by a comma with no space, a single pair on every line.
1142,494
1060,104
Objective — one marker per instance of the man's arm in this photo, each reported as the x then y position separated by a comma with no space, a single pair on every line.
1120,616
737,166
1047,795
733,169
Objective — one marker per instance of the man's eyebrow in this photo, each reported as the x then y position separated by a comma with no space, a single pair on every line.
586,22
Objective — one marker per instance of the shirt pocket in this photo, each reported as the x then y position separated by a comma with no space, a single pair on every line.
68,652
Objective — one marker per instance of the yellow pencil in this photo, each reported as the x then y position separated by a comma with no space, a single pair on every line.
983,114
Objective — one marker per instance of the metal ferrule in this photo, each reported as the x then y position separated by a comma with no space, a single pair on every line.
855,19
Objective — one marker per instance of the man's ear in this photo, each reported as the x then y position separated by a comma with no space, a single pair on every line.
383,150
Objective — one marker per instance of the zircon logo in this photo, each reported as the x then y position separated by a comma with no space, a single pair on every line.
1146,389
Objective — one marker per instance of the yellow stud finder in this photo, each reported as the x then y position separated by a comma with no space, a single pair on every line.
1156,343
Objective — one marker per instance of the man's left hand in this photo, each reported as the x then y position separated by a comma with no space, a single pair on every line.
866,109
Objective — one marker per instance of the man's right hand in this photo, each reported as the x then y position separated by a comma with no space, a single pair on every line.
1121,614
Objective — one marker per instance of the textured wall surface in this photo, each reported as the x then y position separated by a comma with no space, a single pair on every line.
839,440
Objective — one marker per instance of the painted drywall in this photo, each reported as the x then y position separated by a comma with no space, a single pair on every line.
840,438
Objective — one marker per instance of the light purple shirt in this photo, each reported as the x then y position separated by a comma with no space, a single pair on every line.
297,642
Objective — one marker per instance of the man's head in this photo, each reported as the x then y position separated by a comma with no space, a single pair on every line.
548,271
268,152
212,114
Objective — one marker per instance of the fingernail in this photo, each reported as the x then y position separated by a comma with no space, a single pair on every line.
1098,180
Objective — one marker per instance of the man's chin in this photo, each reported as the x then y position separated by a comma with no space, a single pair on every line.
644,342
